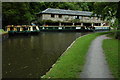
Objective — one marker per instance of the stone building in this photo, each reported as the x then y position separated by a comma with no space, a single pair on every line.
61,17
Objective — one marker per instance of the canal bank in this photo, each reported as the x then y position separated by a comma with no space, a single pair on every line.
3,34
70,64
32,56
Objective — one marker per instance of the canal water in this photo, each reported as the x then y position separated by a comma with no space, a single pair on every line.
32,56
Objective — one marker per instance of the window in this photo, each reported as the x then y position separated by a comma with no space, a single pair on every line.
76,17
91,17
60,16
52,15
80,17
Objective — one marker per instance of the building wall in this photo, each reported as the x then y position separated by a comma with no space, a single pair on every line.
66,18
56,18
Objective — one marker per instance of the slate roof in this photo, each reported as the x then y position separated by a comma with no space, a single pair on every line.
67,12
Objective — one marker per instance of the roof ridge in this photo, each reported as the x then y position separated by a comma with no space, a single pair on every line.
68,10
64,11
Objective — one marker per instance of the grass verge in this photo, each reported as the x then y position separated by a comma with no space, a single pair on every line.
111,50
2,31
70,64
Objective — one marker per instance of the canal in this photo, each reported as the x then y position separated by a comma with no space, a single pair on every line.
32,56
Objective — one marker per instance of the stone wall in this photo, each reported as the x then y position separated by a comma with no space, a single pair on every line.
66,18
56,18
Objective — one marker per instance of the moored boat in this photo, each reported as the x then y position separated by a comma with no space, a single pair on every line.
22,29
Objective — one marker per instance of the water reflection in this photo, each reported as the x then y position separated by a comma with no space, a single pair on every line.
32,56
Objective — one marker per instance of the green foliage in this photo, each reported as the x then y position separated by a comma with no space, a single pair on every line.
117,34
115,25
24,13
16,13
108,10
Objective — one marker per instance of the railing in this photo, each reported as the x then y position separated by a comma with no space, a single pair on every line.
85,20
92,21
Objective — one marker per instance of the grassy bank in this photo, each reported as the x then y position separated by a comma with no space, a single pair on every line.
2,31
70,64
111,50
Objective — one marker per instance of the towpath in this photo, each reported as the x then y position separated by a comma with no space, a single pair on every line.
96,65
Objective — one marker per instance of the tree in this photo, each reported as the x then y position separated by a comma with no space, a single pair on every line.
23,13
16,13
117,34
109,11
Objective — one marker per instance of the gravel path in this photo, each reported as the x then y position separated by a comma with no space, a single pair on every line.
96,65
